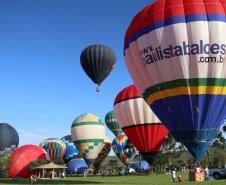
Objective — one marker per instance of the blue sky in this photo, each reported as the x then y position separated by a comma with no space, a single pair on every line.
43,87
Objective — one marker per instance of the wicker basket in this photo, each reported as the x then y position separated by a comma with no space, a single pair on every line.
196,176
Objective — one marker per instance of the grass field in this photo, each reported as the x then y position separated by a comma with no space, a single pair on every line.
162,179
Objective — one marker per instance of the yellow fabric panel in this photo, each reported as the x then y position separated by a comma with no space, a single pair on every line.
218,90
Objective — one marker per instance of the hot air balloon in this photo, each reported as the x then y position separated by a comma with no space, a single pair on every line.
9,139
104,153
139,123
55,148
88,134
77,166
71,150
175,53
140,166
97,61
112,123
123,149
22,157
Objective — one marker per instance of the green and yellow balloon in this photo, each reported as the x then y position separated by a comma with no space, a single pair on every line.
112,123
103,153
88,134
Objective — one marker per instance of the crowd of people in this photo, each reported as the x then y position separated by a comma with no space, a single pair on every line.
197,169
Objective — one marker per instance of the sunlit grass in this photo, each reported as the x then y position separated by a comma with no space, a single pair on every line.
161,179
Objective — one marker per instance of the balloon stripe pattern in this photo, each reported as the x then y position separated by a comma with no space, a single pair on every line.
97,61
175,53
112,123
103,154
88,134
123,151
118,145
55,148
71,150
139,123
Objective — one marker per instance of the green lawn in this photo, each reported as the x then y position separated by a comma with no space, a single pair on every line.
162,179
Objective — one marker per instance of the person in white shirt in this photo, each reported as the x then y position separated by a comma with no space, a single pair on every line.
206,172
173,174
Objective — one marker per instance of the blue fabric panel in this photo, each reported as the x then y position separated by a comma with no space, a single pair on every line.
191,111
139,165
71,151
175,20
196,141
193,118
76,166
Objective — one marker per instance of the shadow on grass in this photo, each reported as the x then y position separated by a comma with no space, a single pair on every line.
24,181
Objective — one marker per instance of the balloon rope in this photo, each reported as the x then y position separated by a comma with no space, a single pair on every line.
98,88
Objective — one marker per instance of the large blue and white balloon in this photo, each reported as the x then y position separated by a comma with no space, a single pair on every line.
175,53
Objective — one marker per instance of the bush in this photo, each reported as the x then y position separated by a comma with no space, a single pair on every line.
4,163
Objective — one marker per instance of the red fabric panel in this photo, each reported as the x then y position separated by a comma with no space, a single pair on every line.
164,9
21,158
129,92
147,138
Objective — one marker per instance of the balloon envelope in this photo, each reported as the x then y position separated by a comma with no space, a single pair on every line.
9,139
88,134
112,123
55,148
76,166
97,61
21,158
106,148
139,123
123,149
71,150
170,53
140,165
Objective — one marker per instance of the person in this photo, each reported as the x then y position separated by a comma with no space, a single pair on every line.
85,172
31,180
173,174
34,178
63,175
102,172
206,173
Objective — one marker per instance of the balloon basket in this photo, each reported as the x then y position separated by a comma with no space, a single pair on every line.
98,89
196,176
150,172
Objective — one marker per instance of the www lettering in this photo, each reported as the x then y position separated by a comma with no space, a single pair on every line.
152,55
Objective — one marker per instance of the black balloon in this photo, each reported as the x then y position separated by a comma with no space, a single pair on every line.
8,136
97,61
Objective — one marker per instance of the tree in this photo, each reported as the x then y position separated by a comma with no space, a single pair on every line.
37,163
218,158
4,162
113,163
167,150
219,141
168,145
